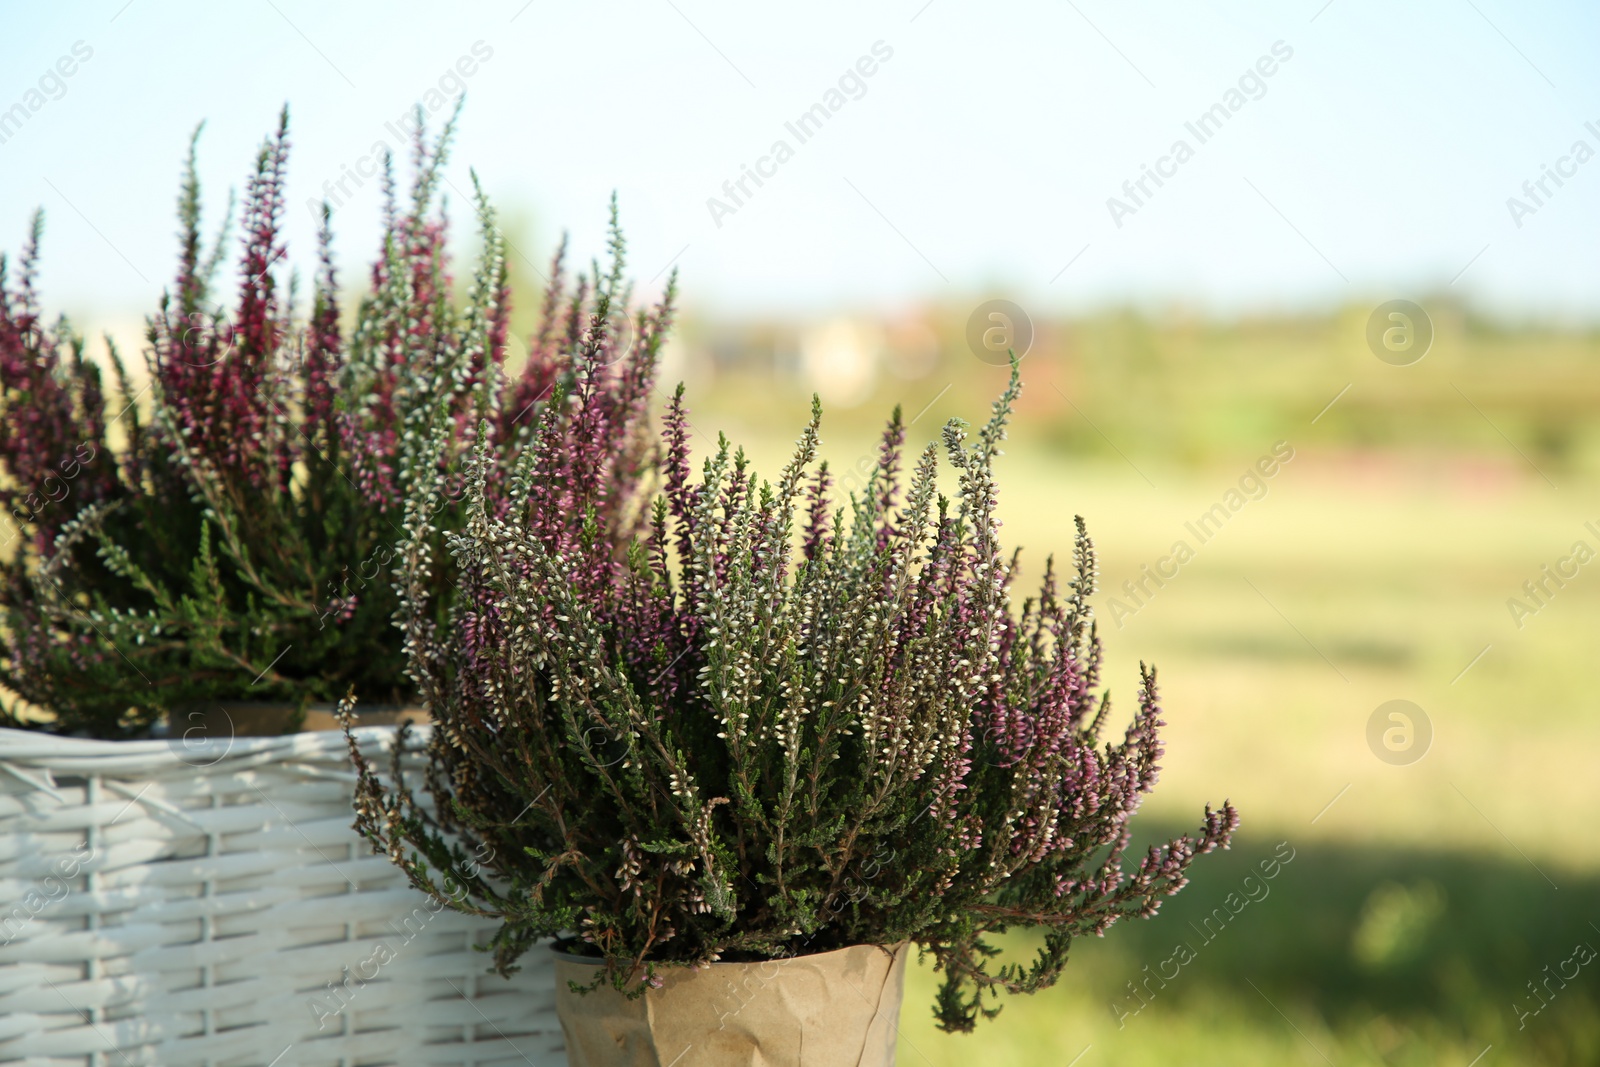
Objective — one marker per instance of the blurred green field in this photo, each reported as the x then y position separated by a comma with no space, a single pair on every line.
1423,898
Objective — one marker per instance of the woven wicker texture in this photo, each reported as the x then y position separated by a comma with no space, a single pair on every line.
208,904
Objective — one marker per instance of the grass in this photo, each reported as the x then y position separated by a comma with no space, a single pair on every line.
1426,896
1423,898
1359,953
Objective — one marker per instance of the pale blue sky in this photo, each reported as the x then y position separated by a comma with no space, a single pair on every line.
980,157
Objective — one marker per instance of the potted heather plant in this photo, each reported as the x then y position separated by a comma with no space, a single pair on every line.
218,537
758,746
231,545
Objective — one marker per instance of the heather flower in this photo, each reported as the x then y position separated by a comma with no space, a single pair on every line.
228,531
695,736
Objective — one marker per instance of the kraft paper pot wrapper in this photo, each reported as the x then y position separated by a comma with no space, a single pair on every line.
833,1009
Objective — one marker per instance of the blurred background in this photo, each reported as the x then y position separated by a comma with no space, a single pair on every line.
1309,312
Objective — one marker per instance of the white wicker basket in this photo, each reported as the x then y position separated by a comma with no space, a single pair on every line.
179,904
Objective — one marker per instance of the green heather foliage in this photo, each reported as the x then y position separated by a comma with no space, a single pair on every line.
762,726
226,532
